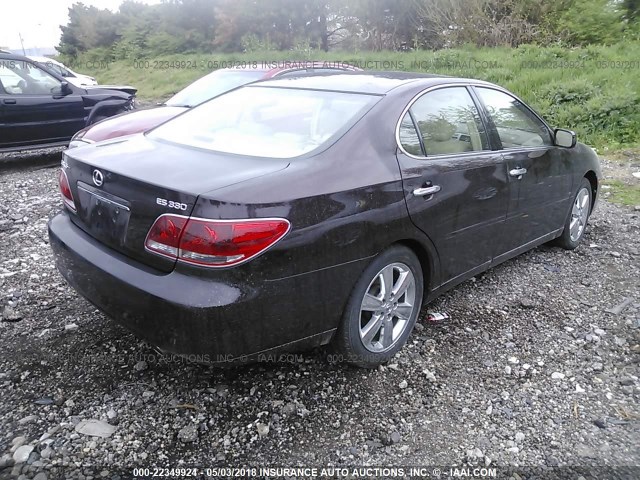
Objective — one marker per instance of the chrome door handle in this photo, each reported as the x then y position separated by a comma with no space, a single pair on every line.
517,172
421,192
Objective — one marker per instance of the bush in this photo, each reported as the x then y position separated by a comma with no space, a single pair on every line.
575,91
592,22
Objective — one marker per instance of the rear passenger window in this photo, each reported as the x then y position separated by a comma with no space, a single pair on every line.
448,123
517,125
409,137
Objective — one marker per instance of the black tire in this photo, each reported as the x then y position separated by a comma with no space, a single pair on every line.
97,119
348,344
566,240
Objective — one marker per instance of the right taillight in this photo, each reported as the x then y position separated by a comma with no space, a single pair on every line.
213,243
65,190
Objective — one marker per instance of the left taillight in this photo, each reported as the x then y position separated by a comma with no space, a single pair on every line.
65,190
213,243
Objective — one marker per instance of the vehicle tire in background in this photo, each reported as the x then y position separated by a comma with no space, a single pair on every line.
577,219
98,118
382,309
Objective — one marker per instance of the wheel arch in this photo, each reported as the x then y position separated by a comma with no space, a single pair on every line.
426,260
106,108
593,180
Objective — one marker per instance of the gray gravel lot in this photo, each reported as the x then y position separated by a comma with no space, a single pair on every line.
538,366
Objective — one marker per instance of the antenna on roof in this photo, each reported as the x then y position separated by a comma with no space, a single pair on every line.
22,43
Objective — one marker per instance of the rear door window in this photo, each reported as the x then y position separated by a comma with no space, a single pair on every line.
447,122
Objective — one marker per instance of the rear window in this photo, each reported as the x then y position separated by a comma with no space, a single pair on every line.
267,122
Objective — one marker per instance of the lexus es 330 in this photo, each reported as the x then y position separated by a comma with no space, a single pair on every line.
307,211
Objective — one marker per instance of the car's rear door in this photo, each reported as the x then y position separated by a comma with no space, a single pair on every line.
455,186
539,174
35,110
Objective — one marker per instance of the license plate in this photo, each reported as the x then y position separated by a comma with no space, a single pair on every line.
106,218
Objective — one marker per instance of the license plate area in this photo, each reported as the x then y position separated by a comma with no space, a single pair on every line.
105,216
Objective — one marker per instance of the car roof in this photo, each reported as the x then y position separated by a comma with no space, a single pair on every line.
276,68
43,59
15,57
271,69
374,83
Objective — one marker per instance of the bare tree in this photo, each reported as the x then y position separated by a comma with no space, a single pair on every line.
480,22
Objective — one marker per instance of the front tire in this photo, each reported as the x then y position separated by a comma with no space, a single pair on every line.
97,119
577,220
382,309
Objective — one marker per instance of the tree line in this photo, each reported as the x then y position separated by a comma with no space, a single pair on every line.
181,26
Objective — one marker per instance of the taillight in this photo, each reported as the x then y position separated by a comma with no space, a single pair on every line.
164,236
65,190
213,243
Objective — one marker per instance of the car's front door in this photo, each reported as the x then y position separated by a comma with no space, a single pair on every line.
539,172
35,108
455,186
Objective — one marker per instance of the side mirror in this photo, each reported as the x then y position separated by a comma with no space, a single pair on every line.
564,138
65,88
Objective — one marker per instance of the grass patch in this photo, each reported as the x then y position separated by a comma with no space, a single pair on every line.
622,192
593,90
625,156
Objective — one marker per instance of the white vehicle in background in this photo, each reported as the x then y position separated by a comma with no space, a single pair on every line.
70,76
77,79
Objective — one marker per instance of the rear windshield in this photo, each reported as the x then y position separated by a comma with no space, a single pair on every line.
267,122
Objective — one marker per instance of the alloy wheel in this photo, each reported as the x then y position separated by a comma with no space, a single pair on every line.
579,215
387,307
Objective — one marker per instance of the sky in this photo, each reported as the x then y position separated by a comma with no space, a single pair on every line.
39,20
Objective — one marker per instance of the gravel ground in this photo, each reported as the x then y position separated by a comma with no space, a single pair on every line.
19,161
538,366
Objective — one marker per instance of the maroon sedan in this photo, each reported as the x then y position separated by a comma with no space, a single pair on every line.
294,213
203,89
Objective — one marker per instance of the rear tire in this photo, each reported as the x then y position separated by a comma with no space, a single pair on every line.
382,309
577,219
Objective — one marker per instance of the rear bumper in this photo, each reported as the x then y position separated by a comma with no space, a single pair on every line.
212,319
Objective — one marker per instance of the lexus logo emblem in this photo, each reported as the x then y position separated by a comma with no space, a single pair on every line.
98,178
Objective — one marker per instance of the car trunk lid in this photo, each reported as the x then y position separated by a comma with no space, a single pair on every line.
121,187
